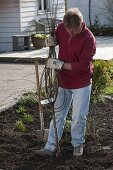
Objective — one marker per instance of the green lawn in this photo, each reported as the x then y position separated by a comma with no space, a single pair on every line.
109,90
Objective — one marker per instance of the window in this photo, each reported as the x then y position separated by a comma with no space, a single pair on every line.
43,5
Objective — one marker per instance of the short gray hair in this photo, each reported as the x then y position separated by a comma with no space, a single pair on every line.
73,17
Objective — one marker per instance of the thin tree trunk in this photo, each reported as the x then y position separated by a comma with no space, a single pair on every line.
90,13
65,5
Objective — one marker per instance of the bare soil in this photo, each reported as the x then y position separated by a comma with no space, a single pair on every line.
17,149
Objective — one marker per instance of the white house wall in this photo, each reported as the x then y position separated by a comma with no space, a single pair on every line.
60,9
9,23
28,12
98,10
17,17
97,7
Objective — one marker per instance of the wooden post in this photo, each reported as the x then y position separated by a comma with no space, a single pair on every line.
39,96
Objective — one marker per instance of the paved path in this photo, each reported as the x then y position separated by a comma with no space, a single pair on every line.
11,75
104,48
15,79
104,51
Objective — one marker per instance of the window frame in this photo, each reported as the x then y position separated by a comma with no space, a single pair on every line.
42,5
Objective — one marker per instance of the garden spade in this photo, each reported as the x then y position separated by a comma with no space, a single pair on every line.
42,134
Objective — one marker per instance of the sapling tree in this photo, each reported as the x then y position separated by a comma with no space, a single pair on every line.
90,13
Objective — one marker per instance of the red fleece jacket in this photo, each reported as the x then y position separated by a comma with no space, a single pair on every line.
78,51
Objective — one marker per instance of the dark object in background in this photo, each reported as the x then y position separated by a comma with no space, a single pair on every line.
21,42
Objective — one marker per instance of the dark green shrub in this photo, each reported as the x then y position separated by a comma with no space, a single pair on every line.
101,30
103,71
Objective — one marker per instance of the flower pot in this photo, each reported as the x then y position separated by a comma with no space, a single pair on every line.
37,42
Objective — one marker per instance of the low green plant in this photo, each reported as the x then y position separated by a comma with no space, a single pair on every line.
28,98
91,129
21,109
43,93
20,125
102,78
40,36
67,127
27,118
27,93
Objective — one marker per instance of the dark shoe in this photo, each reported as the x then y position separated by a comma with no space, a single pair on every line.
45,152
78,151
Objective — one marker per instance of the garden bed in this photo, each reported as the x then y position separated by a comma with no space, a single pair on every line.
17,149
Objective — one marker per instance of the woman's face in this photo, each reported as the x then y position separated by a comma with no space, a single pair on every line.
75,30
